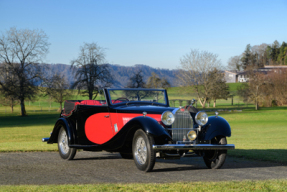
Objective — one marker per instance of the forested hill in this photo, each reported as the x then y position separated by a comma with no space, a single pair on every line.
120,73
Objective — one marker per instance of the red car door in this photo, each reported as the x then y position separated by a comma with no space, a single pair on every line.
98,128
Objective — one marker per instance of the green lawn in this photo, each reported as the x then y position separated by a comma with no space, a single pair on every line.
25,133
269,185
259,134
256,134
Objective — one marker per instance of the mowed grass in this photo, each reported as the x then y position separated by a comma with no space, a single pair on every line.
256,134
25,133
259,134
269,185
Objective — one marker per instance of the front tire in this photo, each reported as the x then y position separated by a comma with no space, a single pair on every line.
65,151
214,159
143,153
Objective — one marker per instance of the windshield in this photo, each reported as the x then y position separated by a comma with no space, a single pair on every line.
152,96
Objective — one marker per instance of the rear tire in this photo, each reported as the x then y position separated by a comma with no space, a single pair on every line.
65,151
214,159
143,153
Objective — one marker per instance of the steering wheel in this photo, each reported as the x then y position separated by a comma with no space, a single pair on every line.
121,98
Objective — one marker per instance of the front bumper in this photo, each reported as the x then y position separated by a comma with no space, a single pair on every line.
192,147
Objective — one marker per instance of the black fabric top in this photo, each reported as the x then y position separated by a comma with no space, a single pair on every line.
69,106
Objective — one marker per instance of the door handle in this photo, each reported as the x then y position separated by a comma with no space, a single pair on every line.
106,116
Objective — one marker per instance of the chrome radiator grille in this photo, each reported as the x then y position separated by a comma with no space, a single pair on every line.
183,123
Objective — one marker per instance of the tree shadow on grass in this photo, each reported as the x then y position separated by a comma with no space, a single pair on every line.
30,120
277,156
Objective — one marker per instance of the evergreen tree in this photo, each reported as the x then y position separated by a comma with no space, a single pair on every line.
282,53
246,59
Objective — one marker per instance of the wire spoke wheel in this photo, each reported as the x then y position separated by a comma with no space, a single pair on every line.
143,153
63,145
63,142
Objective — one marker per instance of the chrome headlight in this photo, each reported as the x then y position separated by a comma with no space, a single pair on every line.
167,118
201,118
191,135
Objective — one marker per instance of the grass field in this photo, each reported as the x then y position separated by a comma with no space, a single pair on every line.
25,133
259,134
256,134
269,185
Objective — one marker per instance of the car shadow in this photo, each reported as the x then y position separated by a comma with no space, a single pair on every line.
104,157
180,168
242,161
246,160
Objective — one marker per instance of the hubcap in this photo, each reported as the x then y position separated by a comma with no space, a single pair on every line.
63,143
140,151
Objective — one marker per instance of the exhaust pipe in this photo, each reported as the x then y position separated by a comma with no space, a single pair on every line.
45,139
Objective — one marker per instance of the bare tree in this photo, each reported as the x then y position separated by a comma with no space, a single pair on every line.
260,52
9,101
234,63
278,86
155,82
7,78
218,88
254,91
58,89
195,68
21,51
136,81
90,71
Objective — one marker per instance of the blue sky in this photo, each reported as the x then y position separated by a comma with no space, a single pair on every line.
155,33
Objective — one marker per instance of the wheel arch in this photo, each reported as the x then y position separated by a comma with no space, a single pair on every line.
150,126
68,127
218,126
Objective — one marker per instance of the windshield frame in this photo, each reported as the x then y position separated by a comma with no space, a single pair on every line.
137,102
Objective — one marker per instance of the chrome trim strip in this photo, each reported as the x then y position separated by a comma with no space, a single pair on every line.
193,147
45,139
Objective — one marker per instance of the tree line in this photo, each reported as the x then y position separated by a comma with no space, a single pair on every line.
264,88
258,56
21,52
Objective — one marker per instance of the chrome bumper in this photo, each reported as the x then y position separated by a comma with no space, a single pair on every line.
192,147
45,139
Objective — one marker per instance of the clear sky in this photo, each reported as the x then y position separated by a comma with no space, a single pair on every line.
156,33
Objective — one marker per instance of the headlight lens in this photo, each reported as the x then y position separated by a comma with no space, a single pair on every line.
167,118
201,118
191,135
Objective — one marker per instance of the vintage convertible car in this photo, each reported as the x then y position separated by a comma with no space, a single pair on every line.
140,124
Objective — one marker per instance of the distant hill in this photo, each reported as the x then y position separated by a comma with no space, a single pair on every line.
120,73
